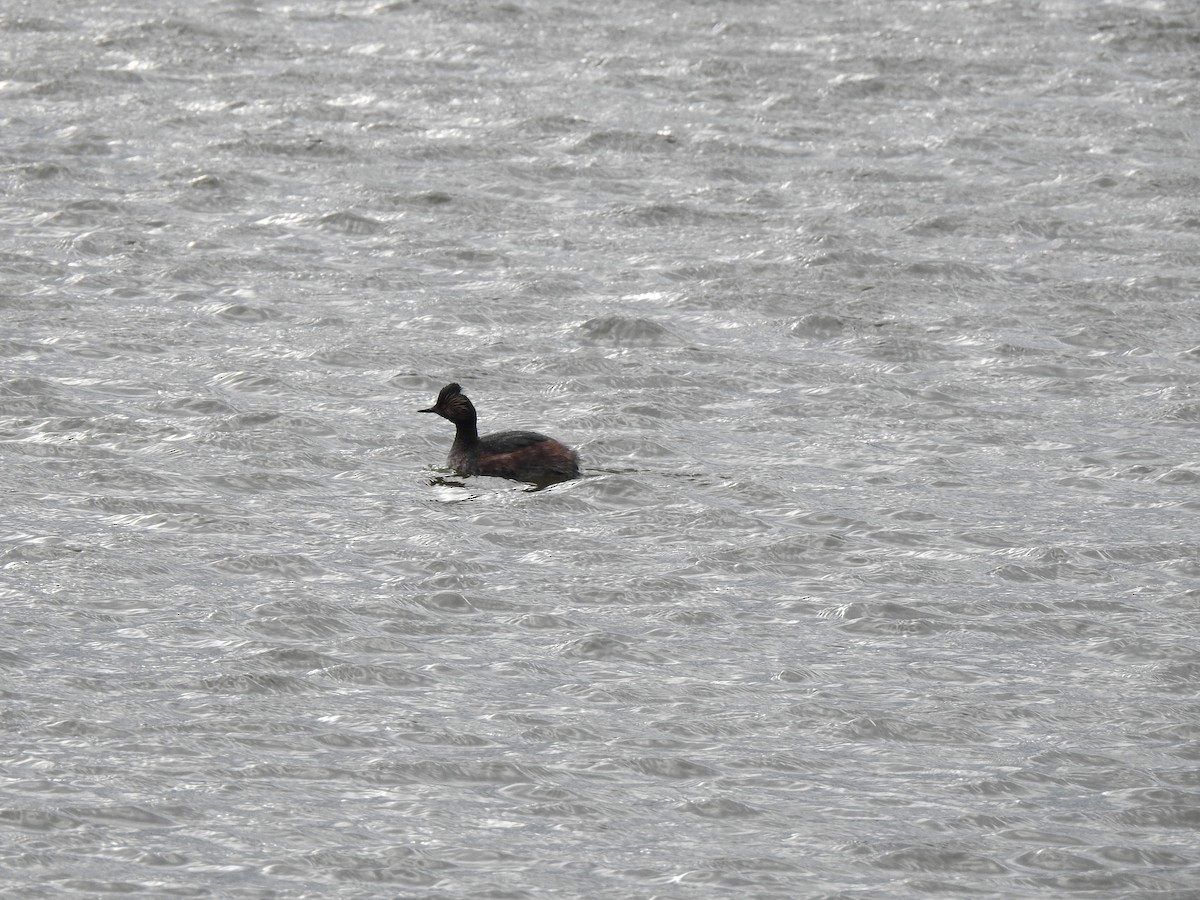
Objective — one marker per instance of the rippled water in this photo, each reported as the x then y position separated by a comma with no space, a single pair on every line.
875,326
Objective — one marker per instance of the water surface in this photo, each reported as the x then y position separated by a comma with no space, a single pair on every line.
874,324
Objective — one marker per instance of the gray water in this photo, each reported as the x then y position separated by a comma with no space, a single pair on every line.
874,323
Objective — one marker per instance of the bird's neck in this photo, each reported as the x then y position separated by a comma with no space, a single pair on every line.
466,433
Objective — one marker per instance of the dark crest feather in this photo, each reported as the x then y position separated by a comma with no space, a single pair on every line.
448,391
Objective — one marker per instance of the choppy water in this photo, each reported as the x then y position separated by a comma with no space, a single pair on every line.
875,324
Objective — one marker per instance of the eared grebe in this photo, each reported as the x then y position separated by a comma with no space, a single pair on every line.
519,455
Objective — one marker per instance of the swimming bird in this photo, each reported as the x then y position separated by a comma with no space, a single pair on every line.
519,455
